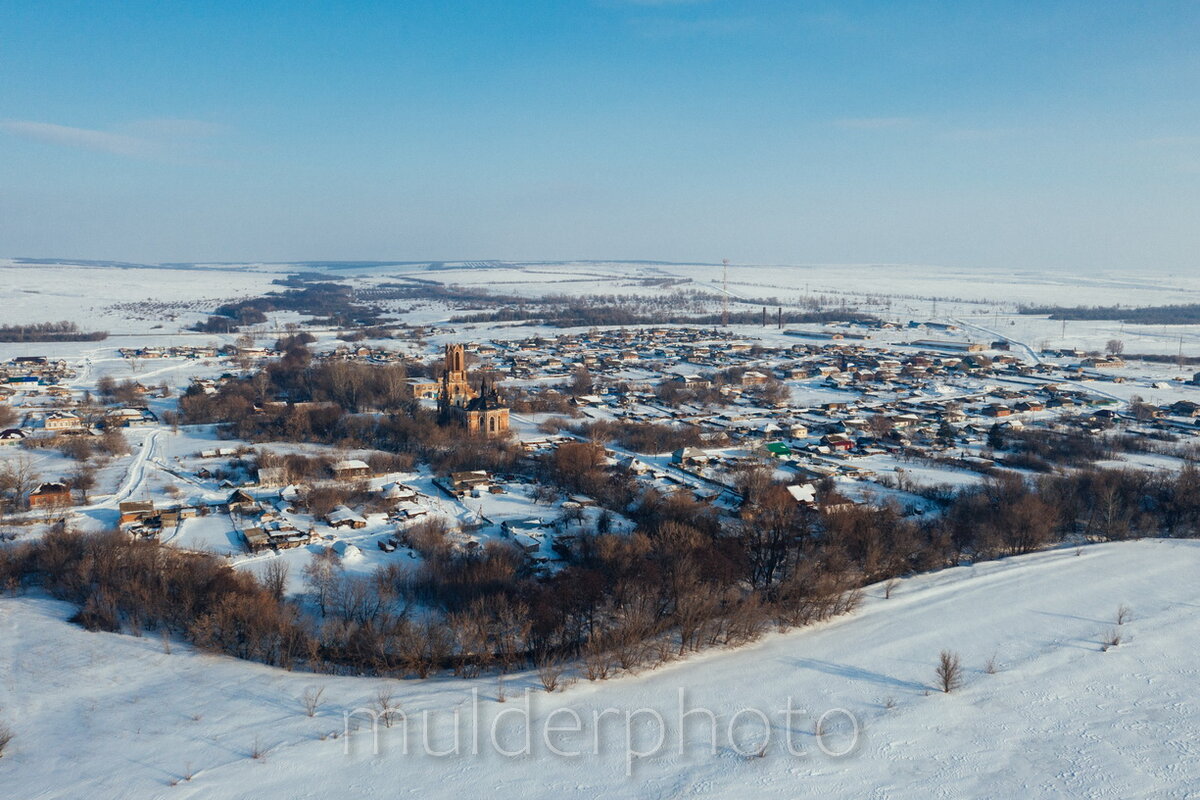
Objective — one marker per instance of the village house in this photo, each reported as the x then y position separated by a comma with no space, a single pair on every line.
350,470
55,494
838,441
1184,408
171,517
460,482
240,502
398,492
693,382
689,455
270,477
948,344
61,421
343,517
135,510
129,417
526,533
754,378
276,535
11,437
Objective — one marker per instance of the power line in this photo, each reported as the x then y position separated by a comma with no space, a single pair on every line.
725,292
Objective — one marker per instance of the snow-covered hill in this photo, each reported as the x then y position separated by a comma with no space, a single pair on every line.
110,716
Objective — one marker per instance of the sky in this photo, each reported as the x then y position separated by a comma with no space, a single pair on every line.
1002,135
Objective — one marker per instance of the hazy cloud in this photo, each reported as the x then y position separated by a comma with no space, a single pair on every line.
151,138
81,138
875,123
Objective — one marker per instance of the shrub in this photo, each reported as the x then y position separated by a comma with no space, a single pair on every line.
6,736
550,671
949,671
311,699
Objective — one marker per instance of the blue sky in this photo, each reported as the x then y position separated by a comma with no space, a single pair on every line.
992,134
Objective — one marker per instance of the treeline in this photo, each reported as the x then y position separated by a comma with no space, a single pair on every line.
679,307
340,403
684,580
351,386
328,303
674,393
1043,450
1162,358
577,315
641,437
418,289
49,332
121,583
1184,314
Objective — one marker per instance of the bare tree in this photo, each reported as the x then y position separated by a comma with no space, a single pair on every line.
6,736
1124,612
275,578
83,480
114,442
879,425
949,671
257,751
550,670
322,573
384,701
311,699
581,381
597,661
19,476
511,630
428,537
1115,347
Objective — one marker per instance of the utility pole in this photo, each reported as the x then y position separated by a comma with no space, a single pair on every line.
725,292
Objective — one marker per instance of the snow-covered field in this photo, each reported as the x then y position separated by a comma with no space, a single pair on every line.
120,300
133,300
110,716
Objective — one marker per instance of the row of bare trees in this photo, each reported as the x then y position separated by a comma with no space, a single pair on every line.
685,580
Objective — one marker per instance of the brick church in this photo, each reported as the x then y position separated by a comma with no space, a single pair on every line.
481,411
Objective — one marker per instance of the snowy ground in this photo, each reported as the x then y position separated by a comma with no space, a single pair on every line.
105,716
112,716
138,300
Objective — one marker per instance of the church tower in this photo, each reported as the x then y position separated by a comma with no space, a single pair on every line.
481,412
456,362
456,388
